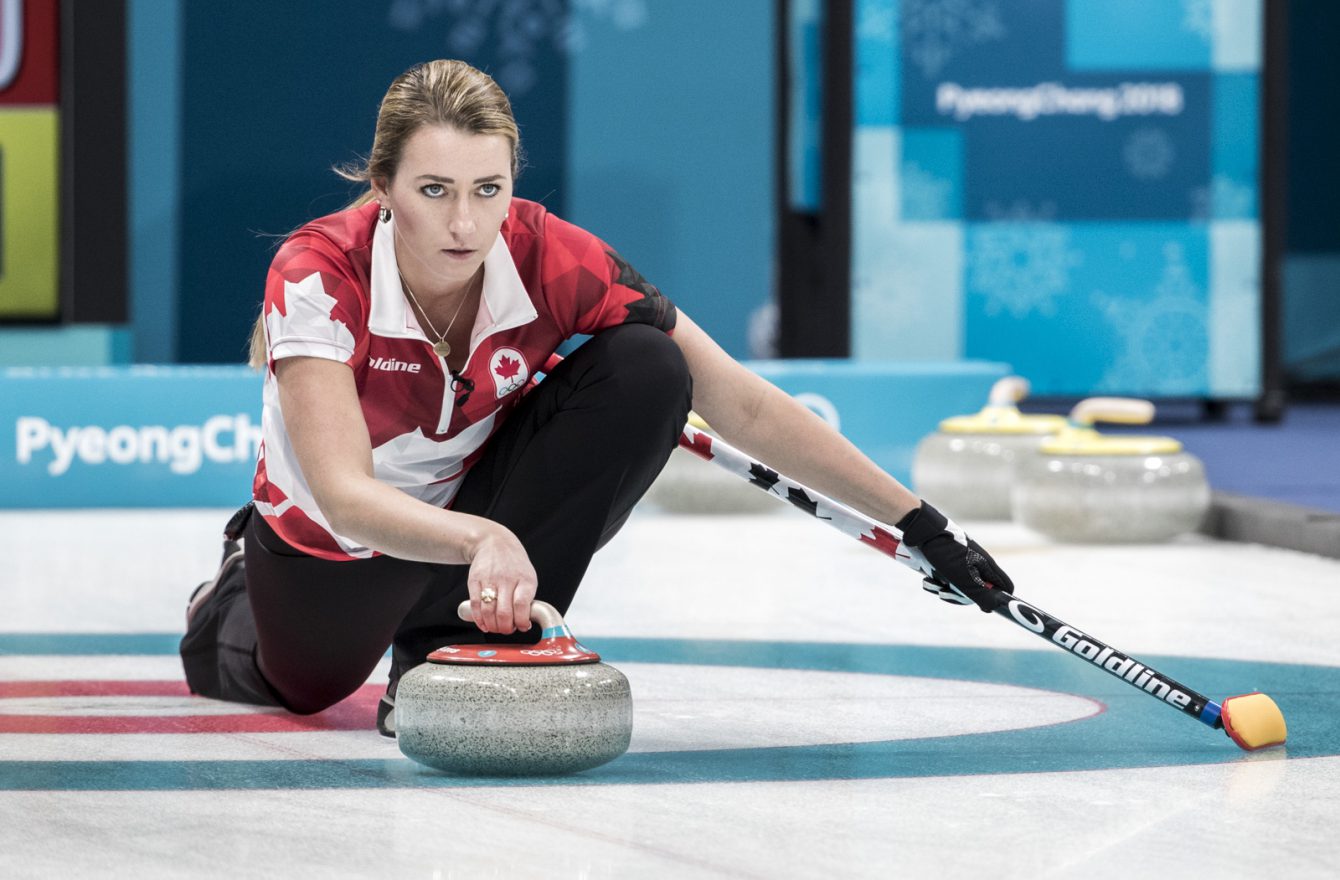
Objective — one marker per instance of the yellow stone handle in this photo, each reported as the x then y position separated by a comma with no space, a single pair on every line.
1119,410
1008,391
543,613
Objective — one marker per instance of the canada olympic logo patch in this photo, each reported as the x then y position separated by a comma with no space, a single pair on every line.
509,370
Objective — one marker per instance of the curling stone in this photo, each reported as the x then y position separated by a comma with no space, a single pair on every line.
690,485
1087,487
967,467
514,710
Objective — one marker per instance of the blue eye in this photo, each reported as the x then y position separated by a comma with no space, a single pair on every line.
489,190
432,190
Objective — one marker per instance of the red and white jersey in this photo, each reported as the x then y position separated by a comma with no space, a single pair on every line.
333,291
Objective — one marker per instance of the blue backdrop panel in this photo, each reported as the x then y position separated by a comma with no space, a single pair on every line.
1089,161
187,436
1138,34
128,436
1046,294
1235,157
1091,168
932,174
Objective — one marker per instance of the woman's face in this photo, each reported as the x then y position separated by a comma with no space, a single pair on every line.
449,197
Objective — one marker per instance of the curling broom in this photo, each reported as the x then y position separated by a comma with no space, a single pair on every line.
1253,721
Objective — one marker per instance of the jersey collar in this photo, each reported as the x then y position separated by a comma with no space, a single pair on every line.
506,303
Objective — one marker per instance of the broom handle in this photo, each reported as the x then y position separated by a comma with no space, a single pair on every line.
888,540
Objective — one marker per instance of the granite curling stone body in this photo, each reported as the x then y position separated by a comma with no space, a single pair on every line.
1088,487
968,465
515,710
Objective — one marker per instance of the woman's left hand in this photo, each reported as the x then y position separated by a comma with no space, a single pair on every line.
962,567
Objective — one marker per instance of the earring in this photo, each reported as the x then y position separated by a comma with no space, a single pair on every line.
384,214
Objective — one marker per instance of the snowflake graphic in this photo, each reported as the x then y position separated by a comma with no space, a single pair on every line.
1176,282
1165,341
1198,18
1224,199
515,29
890,288
308,317
925,195
1022,267
1149,153
934,31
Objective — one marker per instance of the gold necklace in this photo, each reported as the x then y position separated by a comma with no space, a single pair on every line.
441,348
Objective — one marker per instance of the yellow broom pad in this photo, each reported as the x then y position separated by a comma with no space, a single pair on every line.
1253,721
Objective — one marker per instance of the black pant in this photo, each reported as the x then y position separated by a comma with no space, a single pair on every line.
563,473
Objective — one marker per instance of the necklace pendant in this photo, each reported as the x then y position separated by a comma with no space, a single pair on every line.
442,348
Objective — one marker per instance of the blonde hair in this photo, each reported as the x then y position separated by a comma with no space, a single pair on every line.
442,92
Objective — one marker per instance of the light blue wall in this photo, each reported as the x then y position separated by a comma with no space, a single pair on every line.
670,149
670,152
274,94
153,72
71,345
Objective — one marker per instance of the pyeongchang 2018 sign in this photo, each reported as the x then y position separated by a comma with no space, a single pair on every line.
182,436
128,437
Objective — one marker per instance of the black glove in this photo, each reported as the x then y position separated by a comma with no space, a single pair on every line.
964,572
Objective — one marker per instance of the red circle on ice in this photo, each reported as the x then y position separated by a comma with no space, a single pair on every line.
165,707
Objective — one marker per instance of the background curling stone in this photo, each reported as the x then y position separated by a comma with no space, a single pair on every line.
967,467
515,710
690,485
1087,487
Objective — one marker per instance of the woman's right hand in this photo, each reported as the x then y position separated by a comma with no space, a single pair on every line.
499,562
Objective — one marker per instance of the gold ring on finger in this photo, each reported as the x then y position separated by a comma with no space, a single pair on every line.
488,595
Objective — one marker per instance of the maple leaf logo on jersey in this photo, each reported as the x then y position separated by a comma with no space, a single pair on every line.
308,318
509,371
507,368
